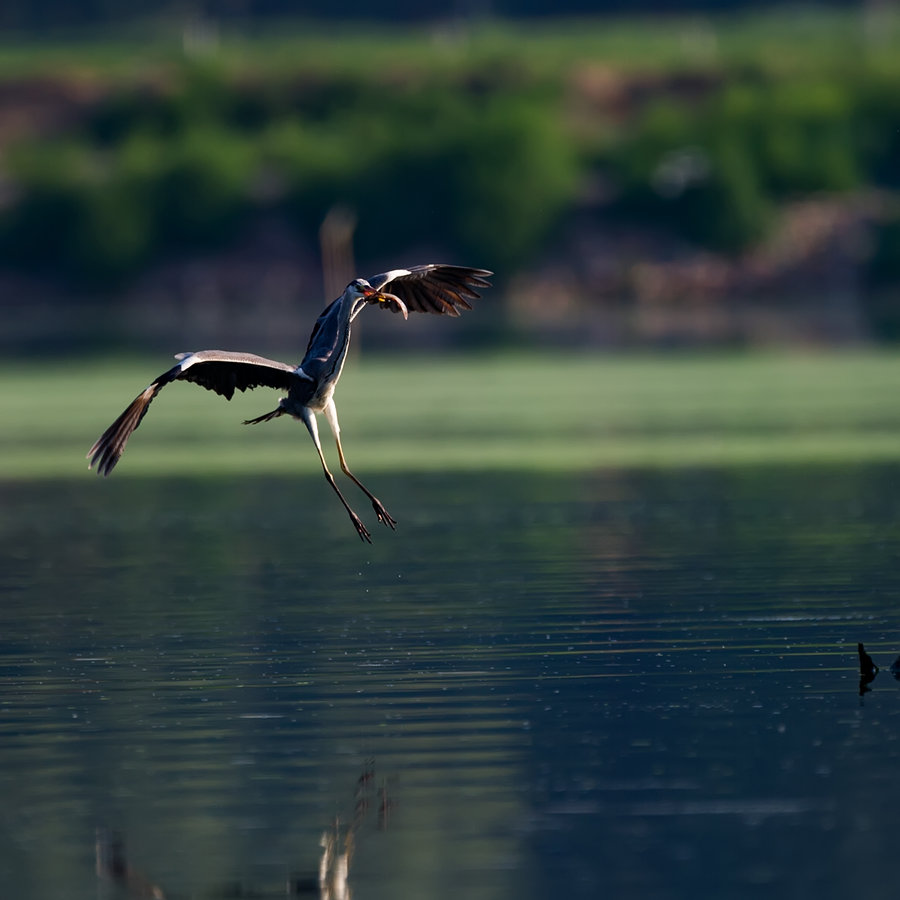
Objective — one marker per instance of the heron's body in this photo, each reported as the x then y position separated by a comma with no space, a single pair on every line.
326,355
308,388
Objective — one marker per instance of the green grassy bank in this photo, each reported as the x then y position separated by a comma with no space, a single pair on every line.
542,412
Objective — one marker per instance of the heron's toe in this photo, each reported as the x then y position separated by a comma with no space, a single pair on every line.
383,515
361,529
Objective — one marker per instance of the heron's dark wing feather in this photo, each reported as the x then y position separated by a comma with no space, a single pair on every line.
109,447
221,371
225,371
433,288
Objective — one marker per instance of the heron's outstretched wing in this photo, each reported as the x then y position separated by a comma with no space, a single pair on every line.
221,371
432,288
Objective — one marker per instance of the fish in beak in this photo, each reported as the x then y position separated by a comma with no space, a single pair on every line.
392,301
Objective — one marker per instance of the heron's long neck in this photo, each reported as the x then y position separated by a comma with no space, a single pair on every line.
356,307
347,310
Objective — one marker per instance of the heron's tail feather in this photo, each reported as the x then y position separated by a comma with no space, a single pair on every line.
265,418
109,447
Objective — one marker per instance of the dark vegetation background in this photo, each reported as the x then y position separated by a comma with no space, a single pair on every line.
39,14
716,176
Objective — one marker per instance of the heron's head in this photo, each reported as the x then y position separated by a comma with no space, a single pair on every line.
360,289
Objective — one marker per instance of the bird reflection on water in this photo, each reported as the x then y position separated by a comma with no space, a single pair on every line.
330,882
113,867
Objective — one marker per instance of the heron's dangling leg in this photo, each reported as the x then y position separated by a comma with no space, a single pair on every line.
310,421
383,515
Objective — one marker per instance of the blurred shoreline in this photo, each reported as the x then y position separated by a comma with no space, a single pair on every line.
698,194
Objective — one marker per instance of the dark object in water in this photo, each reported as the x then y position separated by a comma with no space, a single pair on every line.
867,670
867,665
895,668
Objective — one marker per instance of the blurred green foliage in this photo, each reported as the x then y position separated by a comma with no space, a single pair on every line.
480,163
694,173
482,170
717,170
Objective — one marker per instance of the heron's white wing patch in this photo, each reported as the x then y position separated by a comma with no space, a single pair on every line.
379,281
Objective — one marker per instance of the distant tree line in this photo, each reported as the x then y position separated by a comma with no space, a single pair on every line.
485,171
718,170
41,16
483,165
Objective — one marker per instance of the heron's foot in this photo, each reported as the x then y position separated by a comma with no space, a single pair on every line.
361,529
383,515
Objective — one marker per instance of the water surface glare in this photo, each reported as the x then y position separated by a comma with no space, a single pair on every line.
626,684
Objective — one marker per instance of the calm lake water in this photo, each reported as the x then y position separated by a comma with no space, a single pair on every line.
623,684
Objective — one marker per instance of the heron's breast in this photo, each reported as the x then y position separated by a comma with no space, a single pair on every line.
312,395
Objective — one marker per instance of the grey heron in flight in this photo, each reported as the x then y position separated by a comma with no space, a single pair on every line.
309,387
